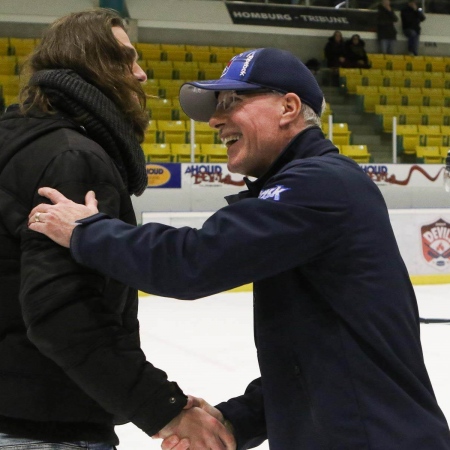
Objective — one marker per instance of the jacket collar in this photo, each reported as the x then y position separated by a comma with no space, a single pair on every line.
309,142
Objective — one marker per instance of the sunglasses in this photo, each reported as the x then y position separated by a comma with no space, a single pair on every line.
233,98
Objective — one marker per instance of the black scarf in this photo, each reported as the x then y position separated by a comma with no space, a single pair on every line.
104,123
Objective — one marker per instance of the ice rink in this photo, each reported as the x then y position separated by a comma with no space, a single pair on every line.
206,346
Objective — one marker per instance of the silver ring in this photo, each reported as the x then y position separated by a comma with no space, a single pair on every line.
36,217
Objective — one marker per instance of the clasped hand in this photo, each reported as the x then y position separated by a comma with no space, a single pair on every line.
199,426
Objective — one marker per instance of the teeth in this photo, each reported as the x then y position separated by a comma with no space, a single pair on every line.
228,139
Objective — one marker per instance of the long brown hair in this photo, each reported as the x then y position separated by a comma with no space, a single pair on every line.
84,42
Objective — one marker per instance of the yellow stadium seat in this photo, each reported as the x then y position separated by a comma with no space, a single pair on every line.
8,65
436,65
388,90
414,79
160,69
341,133
185,70
9,85
377,60
429,129
166,46
151,87
385,113
199,48
362,90
359,153
221,48
214,153
169,88
432,115
148,51
172,131
4,46
182,152
444,149
157,152
428,154
397,64
150,136
222,57
413,99
204,134
174,55
197,55
22,46
418,65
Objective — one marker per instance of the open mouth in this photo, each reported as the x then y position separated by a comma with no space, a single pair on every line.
230,140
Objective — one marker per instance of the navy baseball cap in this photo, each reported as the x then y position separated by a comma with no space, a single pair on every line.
261,68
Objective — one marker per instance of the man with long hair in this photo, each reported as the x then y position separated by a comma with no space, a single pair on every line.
71,366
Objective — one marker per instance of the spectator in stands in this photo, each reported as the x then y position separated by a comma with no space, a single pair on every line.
71,365
386,32
412,16
336,320
334,54
355,53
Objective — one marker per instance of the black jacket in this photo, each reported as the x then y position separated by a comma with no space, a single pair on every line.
70,359
411,18
335,316
385,23
333,51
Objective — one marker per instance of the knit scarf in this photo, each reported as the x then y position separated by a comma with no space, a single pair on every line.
102,120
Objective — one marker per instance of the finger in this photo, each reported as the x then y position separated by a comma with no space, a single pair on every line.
52,194
42,208
174,443
37,218
90,200
190,402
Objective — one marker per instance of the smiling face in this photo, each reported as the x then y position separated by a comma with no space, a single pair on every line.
255,127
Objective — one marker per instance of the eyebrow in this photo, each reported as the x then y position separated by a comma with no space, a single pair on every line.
131,51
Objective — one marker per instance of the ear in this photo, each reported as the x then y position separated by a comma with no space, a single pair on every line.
291,105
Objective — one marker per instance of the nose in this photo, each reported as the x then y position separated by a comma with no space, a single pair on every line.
217,120
139,73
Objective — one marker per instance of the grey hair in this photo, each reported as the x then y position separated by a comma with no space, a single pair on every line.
310,117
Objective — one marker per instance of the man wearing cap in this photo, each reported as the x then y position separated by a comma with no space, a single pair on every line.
335,316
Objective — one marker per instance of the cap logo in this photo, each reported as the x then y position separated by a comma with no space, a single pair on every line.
246,64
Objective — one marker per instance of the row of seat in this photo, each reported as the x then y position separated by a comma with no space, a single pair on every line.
367,102
406,115
158,152
409,62
411,136
189,70
373,77
431,154
186,52
17,46
181,152
179,132
359,153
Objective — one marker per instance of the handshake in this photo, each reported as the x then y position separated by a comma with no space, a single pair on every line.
199,426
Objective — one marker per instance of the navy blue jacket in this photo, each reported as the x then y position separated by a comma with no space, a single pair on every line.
335,316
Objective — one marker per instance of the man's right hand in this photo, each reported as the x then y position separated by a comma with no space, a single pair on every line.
195,429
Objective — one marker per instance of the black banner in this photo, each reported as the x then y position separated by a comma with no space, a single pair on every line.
302,17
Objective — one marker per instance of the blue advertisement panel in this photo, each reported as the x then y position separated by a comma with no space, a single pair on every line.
164,175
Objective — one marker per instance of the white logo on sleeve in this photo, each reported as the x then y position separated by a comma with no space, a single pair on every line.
273,193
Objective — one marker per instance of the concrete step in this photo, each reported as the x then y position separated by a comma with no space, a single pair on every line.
366,139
